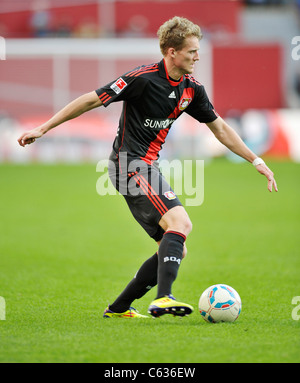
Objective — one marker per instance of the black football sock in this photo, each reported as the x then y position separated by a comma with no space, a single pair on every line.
169,258
144,280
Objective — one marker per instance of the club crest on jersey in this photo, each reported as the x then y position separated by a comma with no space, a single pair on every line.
184,103
170,195
118,86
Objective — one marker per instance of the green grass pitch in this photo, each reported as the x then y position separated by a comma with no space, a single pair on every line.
66,252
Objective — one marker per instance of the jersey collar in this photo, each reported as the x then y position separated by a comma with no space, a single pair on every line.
164,73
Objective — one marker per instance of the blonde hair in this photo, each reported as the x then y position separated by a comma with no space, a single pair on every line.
172,33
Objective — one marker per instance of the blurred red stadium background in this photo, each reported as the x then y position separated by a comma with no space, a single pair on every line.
246,67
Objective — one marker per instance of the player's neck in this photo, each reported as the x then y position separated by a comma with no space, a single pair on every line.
173,71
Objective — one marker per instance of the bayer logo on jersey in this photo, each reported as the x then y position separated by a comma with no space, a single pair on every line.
184,103
170,195
220,303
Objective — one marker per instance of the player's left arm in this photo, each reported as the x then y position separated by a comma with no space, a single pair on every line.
228,137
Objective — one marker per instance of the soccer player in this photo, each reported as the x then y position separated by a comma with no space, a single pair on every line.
154,96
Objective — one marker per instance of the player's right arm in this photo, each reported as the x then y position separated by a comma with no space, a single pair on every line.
74,109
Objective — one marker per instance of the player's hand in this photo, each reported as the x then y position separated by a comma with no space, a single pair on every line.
264,170
28,138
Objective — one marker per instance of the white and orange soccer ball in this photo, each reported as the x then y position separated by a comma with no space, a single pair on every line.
220,303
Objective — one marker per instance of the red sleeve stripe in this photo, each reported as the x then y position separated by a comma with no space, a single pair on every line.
143,70
146,71
104,97
192,79
216,113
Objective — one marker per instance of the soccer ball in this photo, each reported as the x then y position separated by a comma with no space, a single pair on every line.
220,303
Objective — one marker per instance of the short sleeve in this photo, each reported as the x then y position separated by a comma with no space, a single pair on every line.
201,108
125,88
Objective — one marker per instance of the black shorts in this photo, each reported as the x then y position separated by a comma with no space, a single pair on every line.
147,193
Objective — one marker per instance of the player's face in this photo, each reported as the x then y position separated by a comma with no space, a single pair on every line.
186,58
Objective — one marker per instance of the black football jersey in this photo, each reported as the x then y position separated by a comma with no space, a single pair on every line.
152,101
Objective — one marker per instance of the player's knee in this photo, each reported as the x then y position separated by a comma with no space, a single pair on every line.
186,226
183,226
177,219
